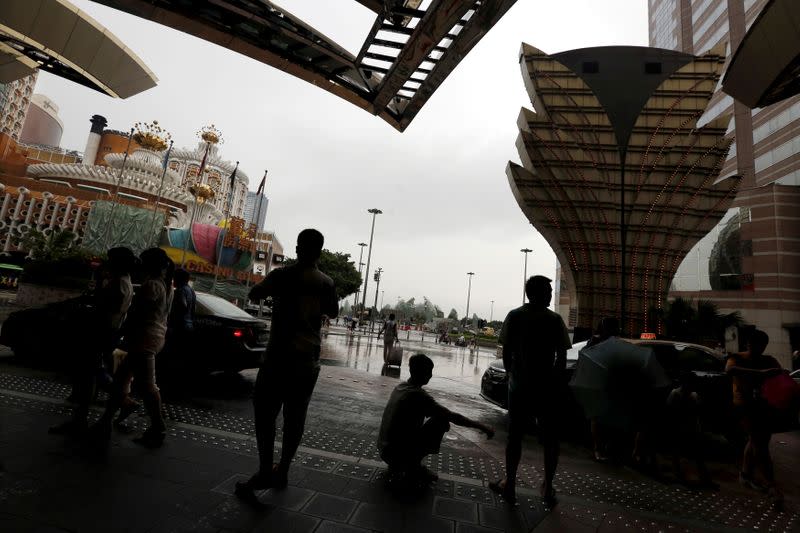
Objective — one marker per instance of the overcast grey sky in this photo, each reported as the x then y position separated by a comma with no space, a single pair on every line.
441,184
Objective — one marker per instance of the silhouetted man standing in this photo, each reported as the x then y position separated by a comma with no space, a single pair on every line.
301,296
535,343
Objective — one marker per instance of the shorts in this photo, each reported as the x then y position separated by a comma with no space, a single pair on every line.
142,365
526,405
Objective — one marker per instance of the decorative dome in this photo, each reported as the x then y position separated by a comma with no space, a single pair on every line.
211,135
151,136
202,192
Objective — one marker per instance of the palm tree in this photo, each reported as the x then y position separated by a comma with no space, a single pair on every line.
703,323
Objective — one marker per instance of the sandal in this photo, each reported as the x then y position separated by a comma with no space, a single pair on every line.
151,438
549,499
750,483
125,411
600,458
500,487
260,481
244,491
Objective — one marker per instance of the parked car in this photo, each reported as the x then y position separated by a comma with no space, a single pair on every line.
677,358
224,338
494,383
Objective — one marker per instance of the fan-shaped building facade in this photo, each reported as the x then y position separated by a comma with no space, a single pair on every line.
617,175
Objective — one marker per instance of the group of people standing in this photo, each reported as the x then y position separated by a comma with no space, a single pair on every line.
137,321
534,339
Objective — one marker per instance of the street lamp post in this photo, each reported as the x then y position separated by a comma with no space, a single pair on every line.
491,312
469,290
377,289
374,212
360,264
525,251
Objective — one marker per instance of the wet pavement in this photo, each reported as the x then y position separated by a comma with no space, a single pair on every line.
360,351
338,482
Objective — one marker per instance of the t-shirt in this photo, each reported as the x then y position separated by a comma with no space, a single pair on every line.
301,296
744,387
146,325
181,313
408,407
389,331
113,299
531,338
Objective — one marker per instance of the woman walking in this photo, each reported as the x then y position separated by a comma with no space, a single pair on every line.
144,333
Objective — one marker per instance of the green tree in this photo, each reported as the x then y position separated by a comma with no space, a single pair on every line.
453,315
497,325
56,260
341,270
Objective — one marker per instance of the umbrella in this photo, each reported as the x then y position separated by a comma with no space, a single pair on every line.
614,381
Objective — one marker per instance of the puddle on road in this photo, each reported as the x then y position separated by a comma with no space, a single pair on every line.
366,353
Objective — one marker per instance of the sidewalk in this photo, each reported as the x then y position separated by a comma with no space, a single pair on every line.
337,484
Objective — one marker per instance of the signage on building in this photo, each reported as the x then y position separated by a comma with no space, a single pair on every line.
224,272
261,256
277,258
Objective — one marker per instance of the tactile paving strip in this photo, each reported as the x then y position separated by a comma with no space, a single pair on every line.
668,502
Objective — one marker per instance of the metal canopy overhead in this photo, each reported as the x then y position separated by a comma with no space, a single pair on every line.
410,50
766,66
57,37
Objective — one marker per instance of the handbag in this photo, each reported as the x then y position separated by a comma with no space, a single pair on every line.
781,392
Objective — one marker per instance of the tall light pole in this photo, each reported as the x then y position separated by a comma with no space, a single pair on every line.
377,285
360,256
469,290
369,255
382,299
525,251
491,312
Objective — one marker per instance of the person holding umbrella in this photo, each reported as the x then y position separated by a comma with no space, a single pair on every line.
535,343
617,384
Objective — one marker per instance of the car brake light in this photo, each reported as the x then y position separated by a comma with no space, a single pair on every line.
238,333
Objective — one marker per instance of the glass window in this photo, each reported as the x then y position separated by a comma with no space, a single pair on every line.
214,305
665,354
693,359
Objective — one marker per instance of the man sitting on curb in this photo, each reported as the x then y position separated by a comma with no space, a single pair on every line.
406,437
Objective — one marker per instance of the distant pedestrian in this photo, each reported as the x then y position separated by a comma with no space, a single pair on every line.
144,334
413,425
389,332
101,331
748,370
180,325
184,300
302,296
535,343
684,431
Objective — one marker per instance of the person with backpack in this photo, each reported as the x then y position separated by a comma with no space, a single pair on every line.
748,371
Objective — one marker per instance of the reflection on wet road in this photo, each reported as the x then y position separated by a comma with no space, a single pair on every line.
366,353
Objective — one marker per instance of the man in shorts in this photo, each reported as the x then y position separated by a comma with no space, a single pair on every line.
535,343
302,296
